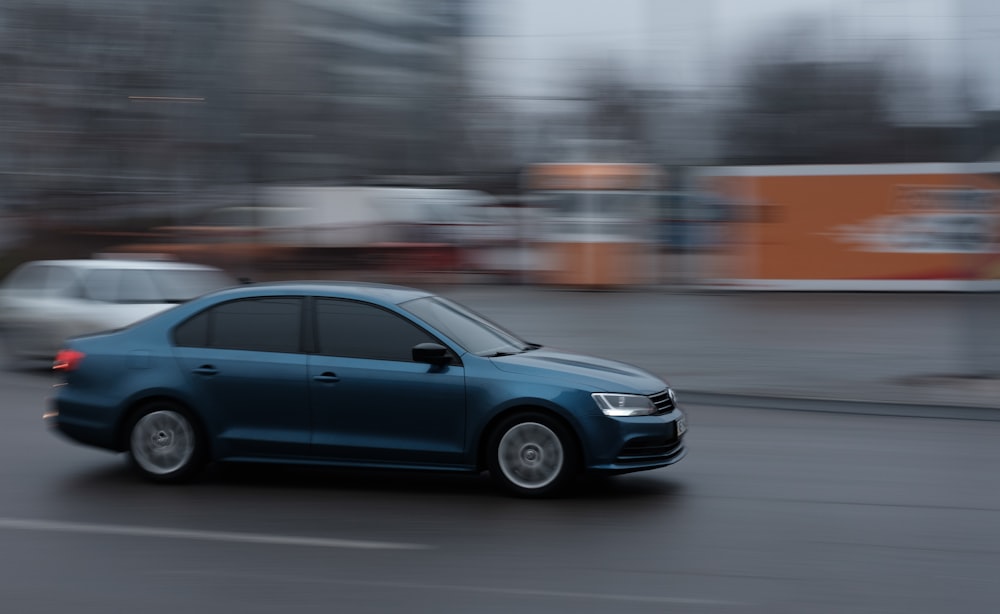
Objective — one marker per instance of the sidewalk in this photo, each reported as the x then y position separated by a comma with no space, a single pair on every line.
938,350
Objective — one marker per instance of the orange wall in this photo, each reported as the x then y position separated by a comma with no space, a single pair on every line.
807,226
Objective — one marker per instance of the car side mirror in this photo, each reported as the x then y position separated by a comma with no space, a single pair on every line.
431,353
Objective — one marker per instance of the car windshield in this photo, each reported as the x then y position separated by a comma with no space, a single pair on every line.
470,330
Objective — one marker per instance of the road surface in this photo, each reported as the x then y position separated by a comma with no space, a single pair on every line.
771,512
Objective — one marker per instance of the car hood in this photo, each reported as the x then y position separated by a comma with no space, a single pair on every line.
588,372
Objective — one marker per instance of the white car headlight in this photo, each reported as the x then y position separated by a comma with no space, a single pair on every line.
624,405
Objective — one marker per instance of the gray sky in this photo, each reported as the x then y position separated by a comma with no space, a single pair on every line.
532,48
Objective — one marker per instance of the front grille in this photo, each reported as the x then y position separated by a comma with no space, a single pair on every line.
664,404
650,448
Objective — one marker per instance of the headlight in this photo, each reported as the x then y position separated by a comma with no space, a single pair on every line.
621,405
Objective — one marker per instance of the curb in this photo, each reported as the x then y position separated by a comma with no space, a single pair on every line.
840,406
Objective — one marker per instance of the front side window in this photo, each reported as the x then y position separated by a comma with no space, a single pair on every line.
359,330
259,324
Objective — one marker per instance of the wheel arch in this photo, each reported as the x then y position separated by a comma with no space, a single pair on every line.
482,442
136,405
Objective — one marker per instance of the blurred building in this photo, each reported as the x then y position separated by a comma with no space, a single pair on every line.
153,102
979,41
99,100
353,87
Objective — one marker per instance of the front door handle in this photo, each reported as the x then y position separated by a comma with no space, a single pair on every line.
327,377
206,370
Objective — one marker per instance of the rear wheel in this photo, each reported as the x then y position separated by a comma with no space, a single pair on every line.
164,444
532,455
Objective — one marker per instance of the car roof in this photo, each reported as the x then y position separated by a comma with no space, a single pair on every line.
121,263
386,293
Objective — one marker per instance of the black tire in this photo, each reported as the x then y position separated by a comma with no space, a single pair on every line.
532,454
165,443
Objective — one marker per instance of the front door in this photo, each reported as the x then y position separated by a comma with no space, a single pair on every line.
371,404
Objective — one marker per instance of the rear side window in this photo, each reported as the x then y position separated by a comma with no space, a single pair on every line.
360,330
179,285
193,332
270,324
122,286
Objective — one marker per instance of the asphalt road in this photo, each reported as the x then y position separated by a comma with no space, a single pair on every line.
772,512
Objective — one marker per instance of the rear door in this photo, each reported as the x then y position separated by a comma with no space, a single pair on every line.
244,362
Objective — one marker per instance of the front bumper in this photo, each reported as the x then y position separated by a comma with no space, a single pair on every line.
632,444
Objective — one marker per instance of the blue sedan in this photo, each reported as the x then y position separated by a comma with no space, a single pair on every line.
357,375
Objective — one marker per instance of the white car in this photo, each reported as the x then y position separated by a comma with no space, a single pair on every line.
44,302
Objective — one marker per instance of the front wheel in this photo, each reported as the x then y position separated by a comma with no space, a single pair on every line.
532,455
164,443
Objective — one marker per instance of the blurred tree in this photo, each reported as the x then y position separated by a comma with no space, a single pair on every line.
802,100
154,104
613,105
338,91
812,112
88,121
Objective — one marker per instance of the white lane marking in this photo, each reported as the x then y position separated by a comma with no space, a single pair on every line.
527,592
20,524
514,592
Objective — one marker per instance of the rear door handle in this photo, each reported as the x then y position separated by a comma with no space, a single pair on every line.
327,378
206,370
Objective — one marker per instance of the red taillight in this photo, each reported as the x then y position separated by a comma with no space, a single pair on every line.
67,360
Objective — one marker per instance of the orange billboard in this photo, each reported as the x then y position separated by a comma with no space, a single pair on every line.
872,227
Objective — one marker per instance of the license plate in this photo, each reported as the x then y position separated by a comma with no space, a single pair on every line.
681,426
